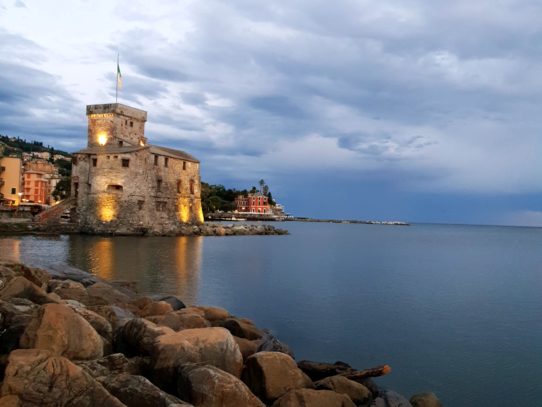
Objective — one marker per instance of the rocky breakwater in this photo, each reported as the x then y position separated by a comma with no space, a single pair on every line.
81,342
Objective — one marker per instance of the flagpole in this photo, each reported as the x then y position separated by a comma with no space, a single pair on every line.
117,80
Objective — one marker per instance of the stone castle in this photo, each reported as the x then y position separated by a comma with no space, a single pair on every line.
124,185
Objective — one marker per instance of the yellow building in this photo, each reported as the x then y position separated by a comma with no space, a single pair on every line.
11,170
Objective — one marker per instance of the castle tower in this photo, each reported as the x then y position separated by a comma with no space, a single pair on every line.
114,124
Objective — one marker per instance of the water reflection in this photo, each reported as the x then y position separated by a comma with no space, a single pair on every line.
10,249
159,265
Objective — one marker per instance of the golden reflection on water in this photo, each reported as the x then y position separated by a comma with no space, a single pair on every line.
169,265
10,249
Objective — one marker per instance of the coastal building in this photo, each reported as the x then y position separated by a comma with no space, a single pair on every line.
39,181
11,170
252,203
122,184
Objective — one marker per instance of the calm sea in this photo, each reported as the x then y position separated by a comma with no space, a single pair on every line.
453,309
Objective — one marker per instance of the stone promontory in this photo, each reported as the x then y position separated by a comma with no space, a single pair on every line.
70,339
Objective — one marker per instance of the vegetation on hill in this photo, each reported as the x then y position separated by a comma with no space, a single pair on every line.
17,146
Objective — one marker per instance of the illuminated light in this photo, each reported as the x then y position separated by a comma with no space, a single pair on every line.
141,143
183,211
107,208
198,211
102,139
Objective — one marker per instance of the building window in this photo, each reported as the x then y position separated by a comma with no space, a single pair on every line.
131,123
155,159
179,186
160,206
126,122
191,186
184,165
74,161
76,189
140,205
158,185
13,191
121,143
94,162
125,162
166,159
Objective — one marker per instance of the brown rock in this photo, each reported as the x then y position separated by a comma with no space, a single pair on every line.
116,316
34,275
23,288
69,290
319,370
141,302
13,321
115,364
247,347
213,346
10,401
137,391
99,323
40,379
62,331
272,374
104,294
425,400
208,386
357,392
186,318
243,328
138,335
313,398
270,343
156,308
213,314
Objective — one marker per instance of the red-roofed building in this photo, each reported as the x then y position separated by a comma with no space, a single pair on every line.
252,203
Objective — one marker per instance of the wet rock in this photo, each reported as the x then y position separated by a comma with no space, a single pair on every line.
313,398
115,315
176,303
357,392
390,398
186,318
20,287
209,386
269,343
269,375
104,294
137,336
39,378
137,391
59,329
243,328
213,346
69,290
425,400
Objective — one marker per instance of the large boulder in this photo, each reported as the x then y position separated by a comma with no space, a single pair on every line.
155,308
425,400
14,319
269,375
116,316
20,287
176,303
247,347
137,336
137,391
319,370
69,290
212,346
208,386
186,318
357,392
104,294
313,398
213,314
36,276
390,398
115,364
243,328
59,329
39,378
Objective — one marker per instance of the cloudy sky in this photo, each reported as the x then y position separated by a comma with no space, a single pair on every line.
418,110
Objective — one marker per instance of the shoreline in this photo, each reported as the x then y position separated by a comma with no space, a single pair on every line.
140,342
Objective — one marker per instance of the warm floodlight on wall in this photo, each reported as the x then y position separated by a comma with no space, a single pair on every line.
102,139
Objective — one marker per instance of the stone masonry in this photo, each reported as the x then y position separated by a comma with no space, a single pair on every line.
123,185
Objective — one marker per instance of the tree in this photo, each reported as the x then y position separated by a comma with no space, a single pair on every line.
62,189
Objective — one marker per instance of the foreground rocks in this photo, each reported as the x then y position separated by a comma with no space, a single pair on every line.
68,339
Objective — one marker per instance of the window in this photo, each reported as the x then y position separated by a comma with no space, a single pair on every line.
74,161
158,185
125,162
179,186
13,191
184,165
115,157
126,122
191,186
155,159
114,188
120,143
160,206
76,189
140,204
166,159
94,162
131,123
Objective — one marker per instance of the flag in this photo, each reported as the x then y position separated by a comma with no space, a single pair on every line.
119,76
